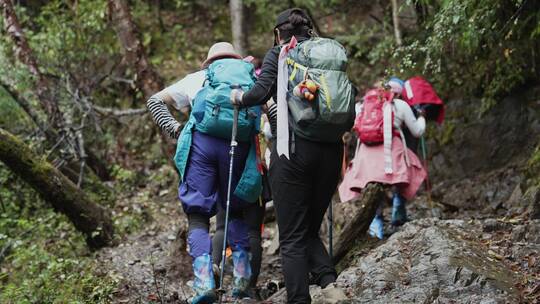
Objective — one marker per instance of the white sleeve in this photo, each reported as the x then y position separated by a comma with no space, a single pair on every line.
183,91
358,108
267,130
405,113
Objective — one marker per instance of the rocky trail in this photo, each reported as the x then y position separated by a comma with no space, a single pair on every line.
480,259
477,241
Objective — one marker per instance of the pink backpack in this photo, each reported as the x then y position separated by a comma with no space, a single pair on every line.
369,124
418,91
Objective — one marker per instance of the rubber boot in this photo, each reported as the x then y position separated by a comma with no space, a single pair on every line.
241,274
376,228
399,212
204,284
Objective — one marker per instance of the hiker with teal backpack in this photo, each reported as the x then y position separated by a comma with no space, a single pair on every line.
307,77
208,176
253,216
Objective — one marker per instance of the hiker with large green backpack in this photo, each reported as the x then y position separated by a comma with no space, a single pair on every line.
315,100
216,167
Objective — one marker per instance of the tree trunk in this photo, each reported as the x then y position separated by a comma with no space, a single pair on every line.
148,81
371,197
421,12
238,26
91,219
147,78
395,20
24,53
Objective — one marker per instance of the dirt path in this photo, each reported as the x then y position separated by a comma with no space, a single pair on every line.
152,265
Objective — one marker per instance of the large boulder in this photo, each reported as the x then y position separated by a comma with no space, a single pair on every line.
469,143
430,261
483,192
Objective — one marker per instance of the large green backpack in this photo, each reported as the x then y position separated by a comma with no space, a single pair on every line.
331,113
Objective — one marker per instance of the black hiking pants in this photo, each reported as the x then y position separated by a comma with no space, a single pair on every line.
253,216
302,188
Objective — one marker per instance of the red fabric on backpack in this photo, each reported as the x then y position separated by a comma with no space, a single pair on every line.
417,91
369,124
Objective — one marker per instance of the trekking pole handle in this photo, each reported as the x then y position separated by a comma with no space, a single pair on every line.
235,118
235,125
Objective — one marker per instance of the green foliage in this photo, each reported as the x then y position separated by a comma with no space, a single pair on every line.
533,167
44,260
476,47
470,48
12,117
67,29
125,177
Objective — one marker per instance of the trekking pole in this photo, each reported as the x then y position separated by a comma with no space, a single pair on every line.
428,184
330,230
231,153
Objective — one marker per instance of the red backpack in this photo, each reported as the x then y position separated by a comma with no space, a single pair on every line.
369,124
418,91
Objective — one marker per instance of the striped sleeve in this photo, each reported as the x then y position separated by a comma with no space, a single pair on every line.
162,116
272,118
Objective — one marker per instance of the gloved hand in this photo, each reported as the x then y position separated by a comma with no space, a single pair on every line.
420,110
236,97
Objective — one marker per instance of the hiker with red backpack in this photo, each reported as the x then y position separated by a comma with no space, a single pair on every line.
217,162
421,96
306,76
382,155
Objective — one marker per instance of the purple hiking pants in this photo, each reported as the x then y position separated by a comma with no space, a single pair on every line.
205,185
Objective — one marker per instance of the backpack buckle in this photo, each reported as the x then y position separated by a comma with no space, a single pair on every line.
216,109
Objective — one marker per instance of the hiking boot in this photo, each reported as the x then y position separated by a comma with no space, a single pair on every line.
203,283
241,274
332,294
399,212
376,228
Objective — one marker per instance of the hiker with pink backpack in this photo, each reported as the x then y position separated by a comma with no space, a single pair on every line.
382,155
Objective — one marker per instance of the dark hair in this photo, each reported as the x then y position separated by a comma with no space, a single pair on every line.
257,62
298,25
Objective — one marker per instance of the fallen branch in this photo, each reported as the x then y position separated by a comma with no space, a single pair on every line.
93,220
370,199
119,113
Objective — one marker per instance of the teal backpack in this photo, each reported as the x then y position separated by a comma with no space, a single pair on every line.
331,113
212,107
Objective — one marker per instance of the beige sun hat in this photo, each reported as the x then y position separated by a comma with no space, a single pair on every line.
220,50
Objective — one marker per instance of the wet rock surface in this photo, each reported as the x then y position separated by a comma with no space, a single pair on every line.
446,261
470,143
488,192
